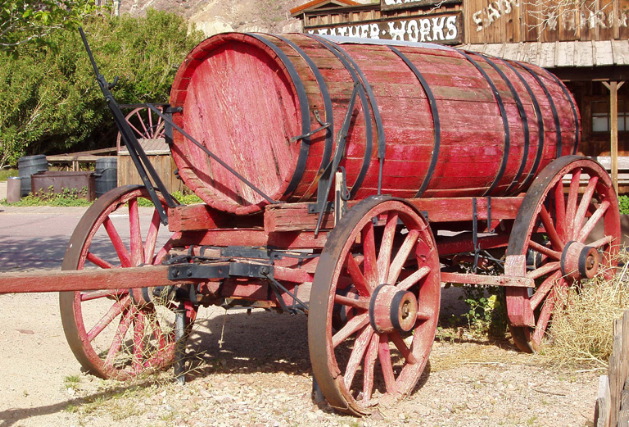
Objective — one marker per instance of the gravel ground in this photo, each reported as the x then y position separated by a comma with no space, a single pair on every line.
261,377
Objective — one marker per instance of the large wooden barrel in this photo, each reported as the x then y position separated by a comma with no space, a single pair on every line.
440,122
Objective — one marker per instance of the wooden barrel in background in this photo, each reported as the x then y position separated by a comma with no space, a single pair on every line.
442,122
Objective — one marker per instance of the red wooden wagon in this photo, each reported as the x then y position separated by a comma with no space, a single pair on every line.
341,178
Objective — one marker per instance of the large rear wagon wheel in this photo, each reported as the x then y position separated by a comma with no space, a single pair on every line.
116,333
374,306
555,231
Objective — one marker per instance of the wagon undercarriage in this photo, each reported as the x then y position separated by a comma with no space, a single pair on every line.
370,284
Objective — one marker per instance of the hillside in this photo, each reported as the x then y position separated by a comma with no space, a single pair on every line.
213,16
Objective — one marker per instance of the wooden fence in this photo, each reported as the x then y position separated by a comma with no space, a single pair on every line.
612,405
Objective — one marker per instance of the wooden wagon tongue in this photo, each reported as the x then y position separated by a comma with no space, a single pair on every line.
272,108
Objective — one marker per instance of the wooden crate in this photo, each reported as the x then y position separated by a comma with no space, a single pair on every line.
159,156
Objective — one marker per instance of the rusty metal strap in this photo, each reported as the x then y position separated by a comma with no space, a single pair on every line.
523,117
435,118
503,116
327,103
211,154
553,108
540,125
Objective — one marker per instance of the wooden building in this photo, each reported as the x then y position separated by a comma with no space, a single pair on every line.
584,42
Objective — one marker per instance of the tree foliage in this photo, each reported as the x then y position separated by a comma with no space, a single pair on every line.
25,20
49,99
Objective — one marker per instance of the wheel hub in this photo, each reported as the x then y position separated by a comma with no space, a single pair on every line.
579,261
391,309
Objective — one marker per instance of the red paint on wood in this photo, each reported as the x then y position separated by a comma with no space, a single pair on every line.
239,100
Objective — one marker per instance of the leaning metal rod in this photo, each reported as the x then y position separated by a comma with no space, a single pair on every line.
340,146
211,154
136,152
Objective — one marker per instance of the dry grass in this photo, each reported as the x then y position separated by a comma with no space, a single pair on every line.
582,333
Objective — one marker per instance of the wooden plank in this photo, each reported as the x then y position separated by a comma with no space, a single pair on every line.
481,279
294,216
620,52
603,53
583,54
84,280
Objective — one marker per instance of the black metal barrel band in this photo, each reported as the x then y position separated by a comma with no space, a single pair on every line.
523,118
540,125
368,104
505,122
435,119
553,108
304,109
327,101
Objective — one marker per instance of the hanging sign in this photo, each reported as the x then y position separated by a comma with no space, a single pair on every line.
443,28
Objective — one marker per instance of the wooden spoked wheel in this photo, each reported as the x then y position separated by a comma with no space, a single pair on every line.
556,229
120,333
144,123
374,305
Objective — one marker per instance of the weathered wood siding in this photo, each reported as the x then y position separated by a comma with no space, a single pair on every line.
489,21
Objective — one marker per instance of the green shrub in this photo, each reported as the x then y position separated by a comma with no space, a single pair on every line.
623,203
49,99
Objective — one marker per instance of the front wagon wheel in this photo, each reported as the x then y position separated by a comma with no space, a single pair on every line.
374,306
111,333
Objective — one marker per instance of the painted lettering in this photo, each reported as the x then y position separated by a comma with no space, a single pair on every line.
453,29
438,28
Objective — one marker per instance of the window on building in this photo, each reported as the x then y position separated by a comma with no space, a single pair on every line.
600,116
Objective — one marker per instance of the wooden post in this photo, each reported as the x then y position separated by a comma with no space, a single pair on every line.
613,128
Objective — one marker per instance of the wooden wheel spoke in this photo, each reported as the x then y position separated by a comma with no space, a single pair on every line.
121,332
370,368
402,255
384,356
104,293
151,238
406,352
543,270
360,282
138,340
544,318
573,195
560,212
603,241
98,261
135,234
584,204
545,250
543,290
370,266
113,312
551,231
592,221
166,248
351,327
360,303
358,352
414,278
118,244
386,246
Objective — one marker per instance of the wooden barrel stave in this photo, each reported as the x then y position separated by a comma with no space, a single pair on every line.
472,143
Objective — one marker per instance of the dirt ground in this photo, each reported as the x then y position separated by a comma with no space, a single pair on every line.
252,369
260,375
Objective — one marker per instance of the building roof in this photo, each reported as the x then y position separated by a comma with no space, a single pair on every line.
155,146
560,54
319,4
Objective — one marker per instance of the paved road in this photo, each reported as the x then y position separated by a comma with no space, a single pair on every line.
35,237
